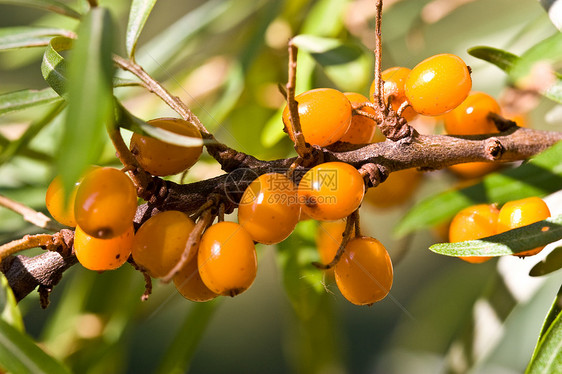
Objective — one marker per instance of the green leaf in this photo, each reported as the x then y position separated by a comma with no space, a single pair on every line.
8,305
128,121
90,96
540,176
346,64
547,357
54,66
140,10
552,262
26,37
510,242
20,354
18,100
179,354
16,146
502,59
48,5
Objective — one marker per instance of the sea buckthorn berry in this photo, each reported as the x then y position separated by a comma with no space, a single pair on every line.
103,254
474,222
395,190
61,210
364,272
362,128
106,203
471,116
471,170
394,79
328,239
520,213
160,242
331,191
161,158
438,84
189,284
324,113
227,259
269,209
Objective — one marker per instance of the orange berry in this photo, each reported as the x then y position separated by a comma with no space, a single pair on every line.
61,210
189,284
470,170
106,203
471,116
393,87
395,190
161,240
328,239
227,259
161,158
269,208
362,129
438,84
325,116
364,273
475,222
103,254
519,213
331,191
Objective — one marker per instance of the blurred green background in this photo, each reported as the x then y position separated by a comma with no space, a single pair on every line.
225,58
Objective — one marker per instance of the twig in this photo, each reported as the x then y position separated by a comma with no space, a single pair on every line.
30,215
27,242
191,245
301,146
346,236
378,94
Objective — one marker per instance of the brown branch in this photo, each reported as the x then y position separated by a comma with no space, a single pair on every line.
30,215
350,223
378,94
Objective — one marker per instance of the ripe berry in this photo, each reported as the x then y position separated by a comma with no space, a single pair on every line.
161,158
161,240
328,239
395,190
269,208
103,254
61,210
438,84
471,116
474,222
520,213
364,273
227,259
106,203
188,282
393,87
331,191
324,113
362,129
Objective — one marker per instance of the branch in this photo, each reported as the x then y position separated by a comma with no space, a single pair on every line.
30,215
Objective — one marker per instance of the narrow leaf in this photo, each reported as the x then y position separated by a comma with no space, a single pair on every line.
48,5
140,10
90,96
540,176
9,310
20,354
510,242
18,100
554,10
552,262
547,357
547,51
26,37
53,66
502,59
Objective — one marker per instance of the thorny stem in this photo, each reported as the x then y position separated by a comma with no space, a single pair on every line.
301,146
191,245
378,94
30,215
27,242
147,279
346,236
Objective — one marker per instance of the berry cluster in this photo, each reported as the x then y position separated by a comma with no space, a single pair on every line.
482,220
